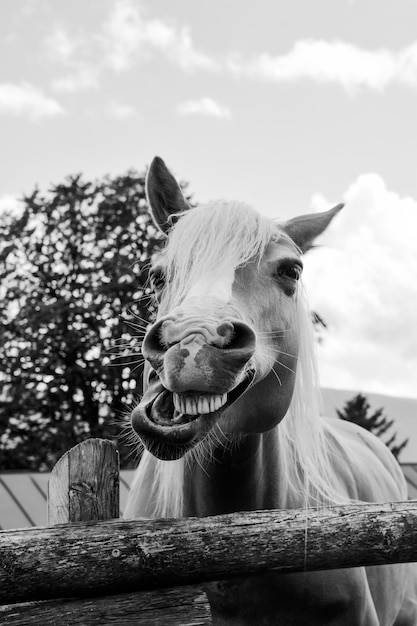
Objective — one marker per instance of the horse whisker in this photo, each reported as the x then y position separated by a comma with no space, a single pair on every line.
286,367
138,317
293,356
137,363
276,376
140,327
133,344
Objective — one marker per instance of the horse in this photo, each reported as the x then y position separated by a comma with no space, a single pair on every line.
230,417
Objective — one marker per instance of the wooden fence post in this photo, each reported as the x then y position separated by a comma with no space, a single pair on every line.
84,484
84,487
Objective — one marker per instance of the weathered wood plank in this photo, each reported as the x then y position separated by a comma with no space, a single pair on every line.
99,558
84,484
187,606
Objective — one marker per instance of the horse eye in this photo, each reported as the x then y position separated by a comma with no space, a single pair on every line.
290,270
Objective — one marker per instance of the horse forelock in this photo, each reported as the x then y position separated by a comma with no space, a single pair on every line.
214,238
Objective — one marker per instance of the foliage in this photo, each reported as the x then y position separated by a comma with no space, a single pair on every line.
71,264
357,410
319,326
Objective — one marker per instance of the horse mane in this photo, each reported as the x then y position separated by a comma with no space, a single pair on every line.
225,235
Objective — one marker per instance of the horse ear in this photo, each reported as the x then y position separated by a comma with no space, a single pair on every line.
304,229
164,194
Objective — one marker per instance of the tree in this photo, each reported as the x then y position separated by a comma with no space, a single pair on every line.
71,264
357,411
319,326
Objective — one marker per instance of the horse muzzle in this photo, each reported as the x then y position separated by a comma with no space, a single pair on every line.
191,356
191,383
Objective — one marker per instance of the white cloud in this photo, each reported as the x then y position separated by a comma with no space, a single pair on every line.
60,46
27,101
204,106
123,34
364,284
73,52
83,76
127,35
120,111
335,62
123,39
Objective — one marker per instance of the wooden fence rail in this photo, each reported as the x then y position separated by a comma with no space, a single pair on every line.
178,606
90,560
117,556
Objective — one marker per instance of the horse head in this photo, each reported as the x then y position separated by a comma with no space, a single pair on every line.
222,354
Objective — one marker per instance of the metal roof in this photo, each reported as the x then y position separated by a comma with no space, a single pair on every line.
410,473
23,495
23,498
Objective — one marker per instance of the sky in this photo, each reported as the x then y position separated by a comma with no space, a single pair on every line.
290,106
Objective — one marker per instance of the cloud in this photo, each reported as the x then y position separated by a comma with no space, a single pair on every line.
76,53
364,284
127,35
204,106
121,111
123,39
82,77
24,100
60,46
333,62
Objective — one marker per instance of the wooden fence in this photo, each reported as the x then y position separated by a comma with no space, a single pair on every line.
89,567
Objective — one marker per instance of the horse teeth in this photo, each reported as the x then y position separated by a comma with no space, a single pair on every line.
203,405
191,406
178,417
198,405
218,401
177,402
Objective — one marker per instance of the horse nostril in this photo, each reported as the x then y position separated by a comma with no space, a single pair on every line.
239,336
226,331
153,347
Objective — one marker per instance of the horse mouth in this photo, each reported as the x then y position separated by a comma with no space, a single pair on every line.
172,409
181,420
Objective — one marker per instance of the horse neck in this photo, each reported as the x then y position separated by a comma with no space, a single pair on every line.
243,477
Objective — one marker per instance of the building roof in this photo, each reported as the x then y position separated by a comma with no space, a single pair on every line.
410,473
23,495
23,498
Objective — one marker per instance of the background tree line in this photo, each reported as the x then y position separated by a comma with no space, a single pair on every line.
72,271
74,304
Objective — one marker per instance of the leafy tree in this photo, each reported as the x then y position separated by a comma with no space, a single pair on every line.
319,326
71,264
357,411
